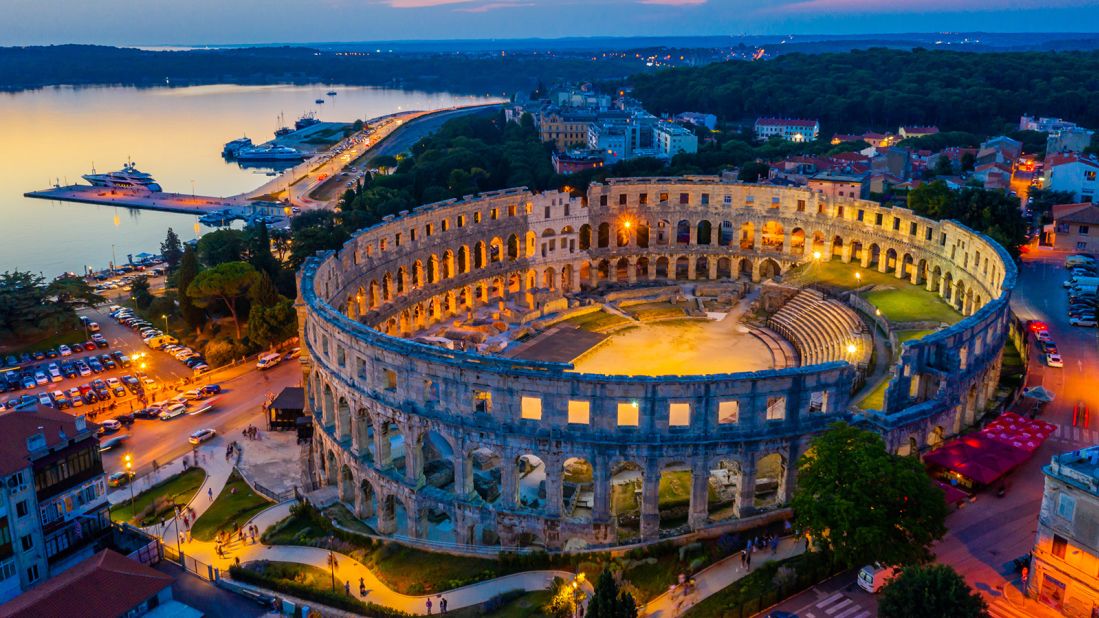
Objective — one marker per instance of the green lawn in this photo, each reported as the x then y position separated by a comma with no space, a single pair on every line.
233,507
911,304
838,275
655,311
526,605
758,590
304,574
157,503
909,335
597,320
65,336
875,399
347,519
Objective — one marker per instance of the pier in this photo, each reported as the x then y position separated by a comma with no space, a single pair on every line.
164,202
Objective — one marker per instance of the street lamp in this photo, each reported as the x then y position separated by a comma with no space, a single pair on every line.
851,349
129,459
332,564
816,255
858,276
165,316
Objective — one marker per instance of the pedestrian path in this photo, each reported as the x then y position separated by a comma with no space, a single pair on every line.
715,578
1075,435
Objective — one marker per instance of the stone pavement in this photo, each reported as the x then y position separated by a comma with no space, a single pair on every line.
716,577
273,460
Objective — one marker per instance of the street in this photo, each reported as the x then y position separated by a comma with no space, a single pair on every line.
839,597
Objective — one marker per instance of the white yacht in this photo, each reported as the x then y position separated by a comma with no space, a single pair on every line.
128,178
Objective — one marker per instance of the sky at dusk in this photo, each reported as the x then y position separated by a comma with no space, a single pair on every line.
172,22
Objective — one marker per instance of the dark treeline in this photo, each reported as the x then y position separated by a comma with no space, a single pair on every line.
881,89
32,67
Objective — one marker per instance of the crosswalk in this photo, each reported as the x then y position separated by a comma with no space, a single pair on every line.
1000,608
838,605
1076,435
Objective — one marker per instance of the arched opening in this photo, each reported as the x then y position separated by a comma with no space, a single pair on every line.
662,231
704,232
674,496
438,460
329,410
577,489
603,270
683,232
347,486
891,259
531,472
724,268
769,269
622,270
747,236
435,524
513,248
643,235
549,279
366,505
724,481
642,268
682,268
622,236
479,255
662,267
331,469
818,244
770,481
485,468
448,264
874,255
773,234
745,269
856,251
364,434
604,235
627,480
496,250
936,436
585,237
393,437
725,234
797,241
463,259
702,268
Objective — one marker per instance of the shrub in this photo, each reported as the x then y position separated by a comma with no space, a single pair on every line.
309,593
497,602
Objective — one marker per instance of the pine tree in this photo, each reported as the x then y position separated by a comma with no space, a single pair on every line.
608,602
171,249
191,313
260,256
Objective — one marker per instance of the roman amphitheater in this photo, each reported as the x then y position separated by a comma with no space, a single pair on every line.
645,361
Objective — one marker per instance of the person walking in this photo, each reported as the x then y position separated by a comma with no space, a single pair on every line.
210,492
442,604
429,606
362,587
774,545
749,562
347,588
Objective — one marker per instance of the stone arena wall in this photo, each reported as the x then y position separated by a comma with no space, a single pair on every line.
370,388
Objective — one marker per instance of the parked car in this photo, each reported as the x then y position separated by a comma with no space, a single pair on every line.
117,479
201,436
172,411
1054,360
1083,321
109,426
211,389
65,350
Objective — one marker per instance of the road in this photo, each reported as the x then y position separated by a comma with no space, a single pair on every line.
839,597
398,140
988,534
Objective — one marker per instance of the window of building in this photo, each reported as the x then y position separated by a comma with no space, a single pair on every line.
461,220
1060,544
896,224
911,228
360,367
566,209
1066,506
494,214
629,414
341,356
775,202
21,509
705,199
7,569
621,199
547,212
679,415
818,401
1083,231
579,412
860,214
684,198
602,200
482,401
32,573
801,205
776,408
27,541
1081,245
512,210
643,199
1089,175
878,218
477,217
728,200
928,234
839,211
531,408
390,379
728,412
663,197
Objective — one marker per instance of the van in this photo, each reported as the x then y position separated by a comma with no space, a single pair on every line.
160,341
268,361
873,576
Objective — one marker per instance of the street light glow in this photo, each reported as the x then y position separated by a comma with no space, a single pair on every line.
851,349
816,255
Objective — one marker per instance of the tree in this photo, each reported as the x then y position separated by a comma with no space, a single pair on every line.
608,602
932,590
140,292
72,291
753,171
189,268
25,308
272,324
259,250
225,283
221,246
943,166
171,249
862,504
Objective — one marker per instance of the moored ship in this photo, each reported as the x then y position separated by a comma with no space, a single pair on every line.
128,178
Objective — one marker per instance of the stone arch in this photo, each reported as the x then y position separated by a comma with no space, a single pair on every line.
662,267
936,436
343,419
683,232
402,277
873,255
704,232
485,473
674,495
603,270
797,241
627,493
329,406
682,268
437,454
622,270
702,267
663,227
856,251
366,503
363,434
585,237
773,235
496,250
724,268
891,259
747,236
448,264
577,489
643,234
549,278
725,233
418,274
622,234
604,235
532,244
769,269
770,480
744,268
513,248
819,245
479,255
642,268
331,470
726,478
346,487
464,261
387,287
531,479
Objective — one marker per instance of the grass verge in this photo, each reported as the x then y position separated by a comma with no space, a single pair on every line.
597,320
233,507
768,584
306,582
158,503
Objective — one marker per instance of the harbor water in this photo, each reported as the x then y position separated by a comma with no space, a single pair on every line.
54,135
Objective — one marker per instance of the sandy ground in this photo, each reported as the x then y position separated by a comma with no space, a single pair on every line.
682,347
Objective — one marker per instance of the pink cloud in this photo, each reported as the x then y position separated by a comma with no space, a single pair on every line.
492,6
916,6
675,2
422,4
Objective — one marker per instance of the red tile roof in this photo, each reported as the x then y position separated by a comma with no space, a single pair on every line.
18,425
1077,213
108,584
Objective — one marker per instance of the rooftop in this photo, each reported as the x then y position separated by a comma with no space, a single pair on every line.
17,426
789,122
1079,468
94,585
1085,212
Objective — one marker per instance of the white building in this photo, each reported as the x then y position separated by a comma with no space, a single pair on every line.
699,120
671,139
789,129
613,140
1072,173
1045,125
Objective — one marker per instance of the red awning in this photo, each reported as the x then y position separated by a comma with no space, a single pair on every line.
978,457
951,494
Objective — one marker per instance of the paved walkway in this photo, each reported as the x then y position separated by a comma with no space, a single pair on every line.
716,577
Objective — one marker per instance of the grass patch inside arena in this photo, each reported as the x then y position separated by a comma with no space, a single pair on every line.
597,321
655,311
911,304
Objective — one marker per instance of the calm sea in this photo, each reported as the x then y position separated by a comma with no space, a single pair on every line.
175,134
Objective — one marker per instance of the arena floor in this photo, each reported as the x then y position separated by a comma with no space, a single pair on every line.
679,347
